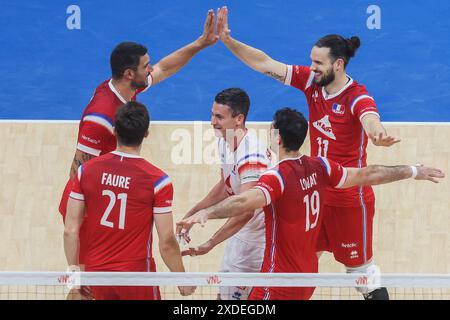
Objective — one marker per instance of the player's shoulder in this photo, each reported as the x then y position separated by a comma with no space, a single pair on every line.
251,147
103,101
356,89
154,172
312,164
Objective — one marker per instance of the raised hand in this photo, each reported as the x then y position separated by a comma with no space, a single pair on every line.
383,140
222,24
209,36
431,174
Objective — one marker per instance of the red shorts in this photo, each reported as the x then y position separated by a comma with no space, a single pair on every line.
347,232
281,293
126,293
63,211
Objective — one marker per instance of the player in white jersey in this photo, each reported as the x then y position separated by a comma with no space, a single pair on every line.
243,159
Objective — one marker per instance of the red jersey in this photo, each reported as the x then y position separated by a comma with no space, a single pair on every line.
96,128
122,192
294,192
335,128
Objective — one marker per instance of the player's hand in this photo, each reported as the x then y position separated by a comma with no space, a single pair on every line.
186,224
222,24
82,293
209,36
431,174
182,234
200,250
186,290
382,139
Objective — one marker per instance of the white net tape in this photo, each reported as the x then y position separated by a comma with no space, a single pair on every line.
56,285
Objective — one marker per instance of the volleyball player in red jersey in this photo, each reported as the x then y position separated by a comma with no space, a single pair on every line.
118,197
292,195
132,73
342,116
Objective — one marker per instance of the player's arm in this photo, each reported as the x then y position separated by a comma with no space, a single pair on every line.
176,60
376,132
74,219
169,249
168,245
241,204
252,57
215,195
377,174
79,158
231,227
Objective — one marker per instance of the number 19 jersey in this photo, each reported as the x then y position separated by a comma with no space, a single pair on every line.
294,200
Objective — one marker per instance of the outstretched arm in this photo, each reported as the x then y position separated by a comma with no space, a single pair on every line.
176,60
230,228
376,132
249,200
215,195
252,57
376,174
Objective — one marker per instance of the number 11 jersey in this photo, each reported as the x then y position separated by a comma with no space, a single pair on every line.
335,128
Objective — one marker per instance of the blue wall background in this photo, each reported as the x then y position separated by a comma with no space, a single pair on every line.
50,72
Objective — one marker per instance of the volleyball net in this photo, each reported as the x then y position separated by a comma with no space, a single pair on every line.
328,286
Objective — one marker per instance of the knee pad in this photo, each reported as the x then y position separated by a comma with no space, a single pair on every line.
372,277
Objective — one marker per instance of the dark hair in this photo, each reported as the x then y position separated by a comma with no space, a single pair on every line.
126,55
340,47
235,98
132,122
292,127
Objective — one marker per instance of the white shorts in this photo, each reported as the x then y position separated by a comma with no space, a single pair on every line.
240,256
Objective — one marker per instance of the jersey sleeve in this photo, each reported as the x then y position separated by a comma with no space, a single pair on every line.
252,166
163,195
362,105
300,77
337,174
272,185
96,129
77,192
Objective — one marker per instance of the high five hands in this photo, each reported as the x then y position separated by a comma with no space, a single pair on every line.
215,27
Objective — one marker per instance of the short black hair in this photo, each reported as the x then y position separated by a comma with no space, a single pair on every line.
235,98
126,55
340,47
292,127
132,122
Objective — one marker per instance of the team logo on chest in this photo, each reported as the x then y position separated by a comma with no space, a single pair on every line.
324,126
338,109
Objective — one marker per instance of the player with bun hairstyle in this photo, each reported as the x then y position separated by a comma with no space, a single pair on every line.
342,116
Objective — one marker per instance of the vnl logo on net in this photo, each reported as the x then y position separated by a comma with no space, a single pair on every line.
72,278
372,279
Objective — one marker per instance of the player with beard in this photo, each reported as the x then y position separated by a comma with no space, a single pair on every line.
342,115
132,73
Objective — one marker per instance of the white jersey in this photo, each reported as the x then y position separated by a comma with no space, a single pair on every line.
244,165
